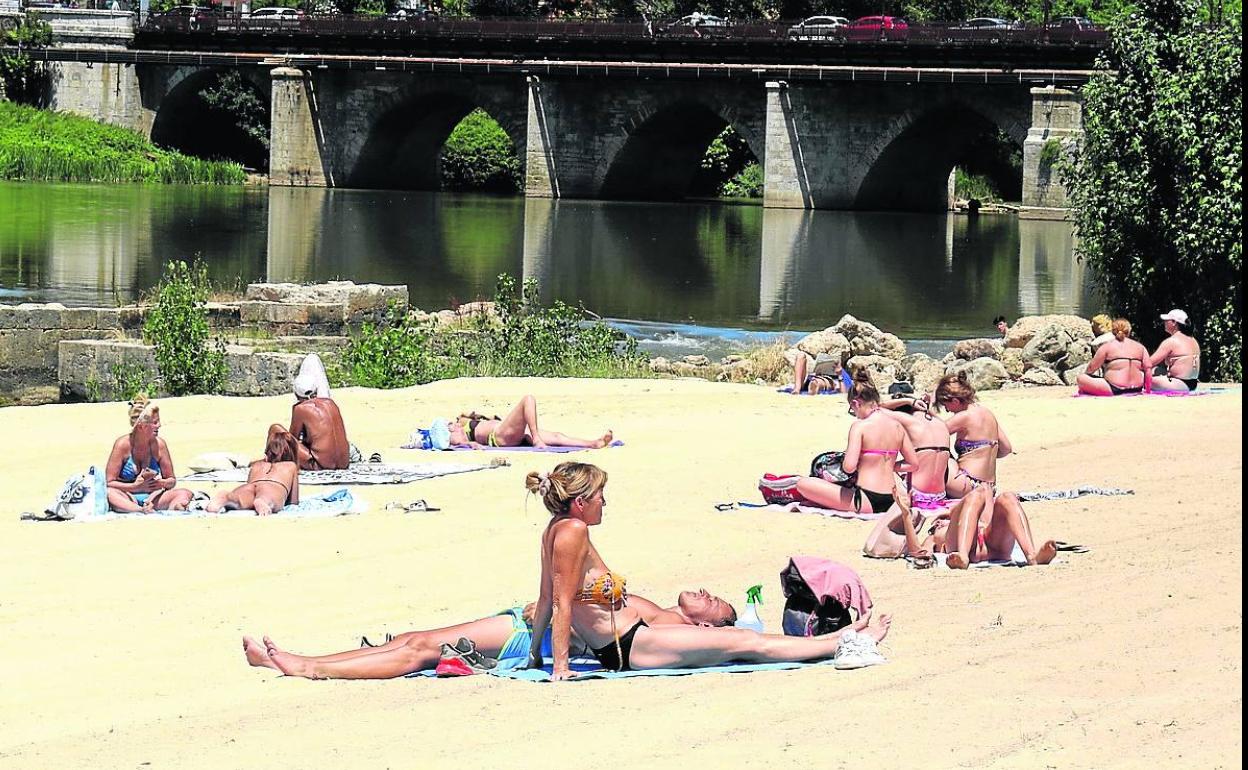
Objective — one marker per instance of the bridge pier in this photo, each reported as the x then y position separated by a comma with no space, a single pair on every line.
296,157
785,185
1057,118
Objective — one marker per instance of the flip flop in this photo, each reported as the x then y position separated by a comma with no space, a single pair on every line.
418,506
365,643
375,457
922,562
1063,546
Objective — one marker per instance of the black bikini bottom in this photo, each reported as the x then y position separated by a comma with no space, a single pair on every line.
880,501
609,657
1117,391
1191,384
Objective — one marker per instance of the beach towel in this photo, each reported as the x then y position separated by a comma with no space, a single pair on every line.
788,389
591,669
358,473
415,442
1070,494
1016,560
799,508
336,503
1162,393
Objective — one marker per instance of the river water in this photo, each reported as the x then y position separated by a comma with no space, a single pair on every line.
676,268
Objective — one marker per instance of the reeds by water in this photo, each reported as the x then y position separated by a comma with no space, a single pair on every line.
45,146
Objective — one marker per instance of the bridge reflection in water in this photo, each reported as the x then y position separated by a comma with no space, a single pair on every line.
714,263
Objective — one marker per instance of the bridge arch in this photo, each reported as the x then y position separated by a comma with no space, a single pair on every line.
663,145
400,150
184,121
907,168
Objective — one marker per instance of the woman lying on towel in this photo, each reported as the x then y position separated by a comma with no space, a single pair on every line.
875,441
271,483
1118,367
979,527
518,428
506,636
578,593
980,442
140,471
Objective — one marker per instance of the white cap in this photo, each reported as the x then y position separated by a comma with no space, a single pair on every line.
1176,315
305,386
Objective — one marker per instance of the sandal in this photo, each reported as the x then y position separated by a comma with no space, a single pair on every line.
375,457
417,506
365,643
1063,546
922,562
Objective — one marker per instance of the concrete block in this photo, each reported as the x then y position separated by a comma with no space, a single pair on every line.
108,318
79,318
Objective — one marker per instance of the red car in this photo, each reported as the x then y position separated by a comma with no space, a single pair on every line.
877,28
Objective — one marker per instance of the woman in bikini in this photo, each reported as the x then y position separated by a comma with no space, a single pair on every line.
875,441
980,441
140,472
271,483
518,428
506,636
1119,367
579,593
1180,353
984,527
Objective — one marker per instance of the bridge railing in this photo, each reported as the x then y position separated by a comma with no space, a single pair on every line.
207,24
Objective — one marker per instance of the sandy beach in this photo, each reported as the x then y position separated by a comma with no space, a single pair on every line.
120,641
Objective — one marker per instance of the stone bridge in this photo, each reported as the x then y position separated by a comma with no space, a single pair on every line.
827,137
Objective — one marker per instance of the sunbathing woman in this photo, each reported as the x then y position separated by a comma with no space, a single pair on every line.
875,440
579,593
983,528
930,438
140,469
506,636
271,483
1118,367
1181,355
980,440
518,428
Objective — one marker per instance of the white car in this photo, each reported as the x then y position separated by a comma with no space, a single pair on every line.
818,28
276,13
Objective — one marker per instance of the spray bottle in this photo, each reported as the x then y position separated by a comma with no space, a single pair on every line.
749,619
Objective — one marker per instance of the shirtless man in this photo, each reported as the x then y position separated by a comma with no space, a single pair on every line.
1180,353
317,425
503,636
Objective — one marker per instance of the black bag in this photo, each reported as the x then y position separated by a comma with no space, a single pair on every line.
803,614
827,466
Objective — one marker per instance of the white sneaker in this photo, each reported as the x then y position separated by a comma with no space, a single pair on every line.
856,651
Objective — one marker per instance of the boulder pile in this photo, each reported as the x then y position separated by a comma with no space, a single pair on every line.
1038,350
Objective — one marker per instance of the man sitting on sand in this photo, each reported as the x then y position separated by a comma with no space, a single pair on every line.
317,424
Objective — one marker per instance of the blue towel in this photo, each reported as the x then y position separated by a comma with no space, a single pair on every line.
591,669
551,449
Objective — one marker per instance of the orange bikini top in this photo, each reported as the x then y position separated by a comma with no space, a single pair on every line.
609,589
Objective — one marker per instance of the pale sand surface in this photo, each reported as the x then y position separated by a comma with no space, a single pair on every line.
119,642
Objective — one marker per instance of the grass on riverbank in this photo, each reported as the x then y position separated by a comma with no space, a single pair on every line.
44,146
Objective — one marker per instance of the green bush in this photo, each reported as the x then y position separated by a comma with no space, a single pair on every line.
1157,184
188,359
39,145
20,76
479,155
977,186
525,339
748,183
1050,154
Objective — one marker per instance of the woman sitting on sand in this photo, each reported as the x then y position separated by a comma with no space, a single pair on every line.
875,441
828,377
140,471
1118,367
980,441
930,438
506,636
518,428
1181,355
982,527
579,593
271,483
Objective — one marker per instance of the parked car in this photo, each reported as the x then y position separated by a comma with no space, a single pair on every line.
987,23
877,28
818,28
983,28
411,14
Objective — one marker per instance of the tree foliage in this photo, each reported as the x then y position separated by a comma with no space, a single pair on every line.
21,76
1157,185
188,359
236,100
478,155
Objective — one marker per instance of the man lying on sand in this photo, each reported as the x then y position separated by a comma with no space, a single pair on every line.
317,425
506,636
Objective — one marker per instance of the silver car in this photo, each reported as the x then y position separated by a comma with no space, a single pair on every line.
818,28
